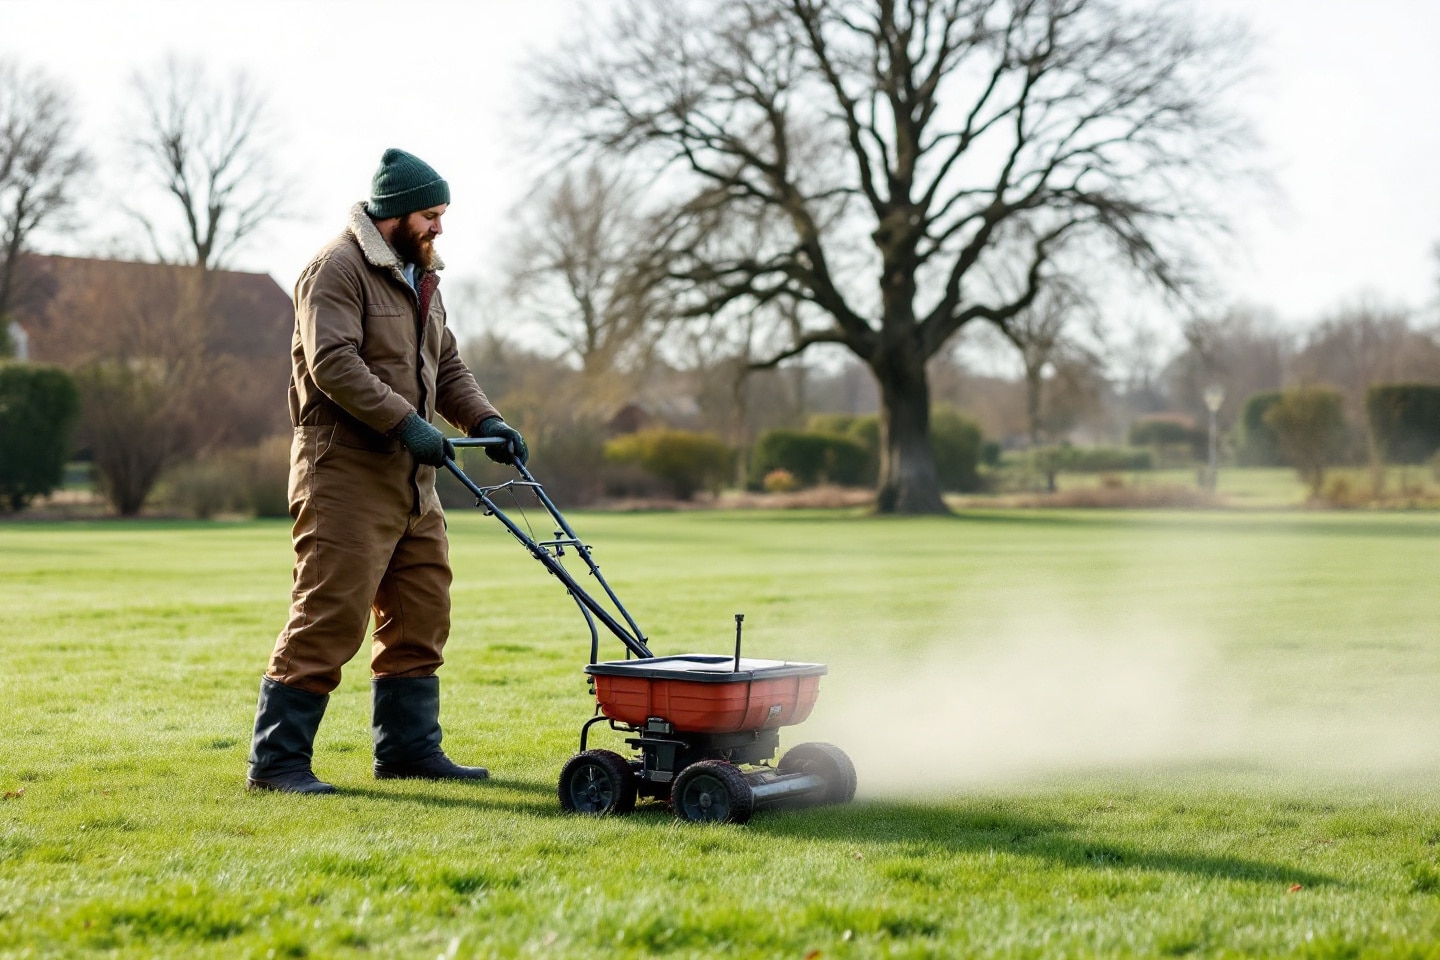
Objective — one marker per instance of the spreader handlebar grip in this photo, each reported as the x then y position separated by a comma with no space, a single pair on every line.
479,441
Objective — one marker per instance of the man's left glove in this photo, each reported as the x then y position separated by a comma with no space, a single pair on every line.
424,440
514,451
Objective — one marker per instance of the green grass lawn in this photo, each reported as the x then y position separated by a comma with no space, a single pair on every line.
1077,733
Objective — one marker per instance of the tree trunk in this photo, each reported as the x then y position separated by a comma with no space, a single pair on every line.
908,483
1033,384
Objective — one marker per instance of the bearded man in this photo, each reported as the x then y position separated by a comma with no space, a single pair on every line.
372,361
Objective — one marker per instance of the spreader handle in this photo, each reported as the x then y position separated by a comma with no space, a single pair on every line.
478,441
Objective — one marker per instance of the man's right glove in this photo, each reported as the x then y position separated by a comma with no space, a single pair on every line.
424,440
514,451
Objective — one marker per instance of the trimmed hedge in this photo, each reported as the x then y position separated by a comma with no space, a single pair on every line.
1165,433
1405,420
686,462
844,449
39,406
1092,459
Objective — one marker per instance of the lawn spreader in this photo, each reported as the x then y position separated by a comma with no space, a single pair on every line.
703,727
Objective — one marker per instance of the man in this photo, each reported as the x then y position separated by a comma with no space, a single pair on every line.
372,360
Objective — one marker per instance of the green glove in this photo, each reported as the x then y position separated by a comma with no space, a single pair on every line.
513,452
424,441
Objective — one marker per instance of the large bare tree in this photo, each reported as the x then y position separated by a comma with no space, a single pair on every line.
883,151
208,145
39,165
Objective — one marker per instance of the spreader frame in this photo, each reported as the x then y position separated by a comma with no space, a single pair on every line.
725,711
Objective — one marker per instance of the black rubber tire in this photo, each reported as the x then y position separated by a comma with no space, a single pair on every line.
712,791
826,761
598,783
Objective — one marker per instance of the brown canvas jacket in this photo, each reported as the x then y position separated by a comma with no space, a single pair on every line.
362,359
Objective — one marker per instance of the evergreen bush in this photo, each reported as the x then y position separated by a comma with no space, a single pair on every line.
1259,447
1404,420
39,406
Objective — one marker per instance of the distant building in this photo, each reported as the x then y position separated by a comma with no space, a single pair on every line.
73,310
59,300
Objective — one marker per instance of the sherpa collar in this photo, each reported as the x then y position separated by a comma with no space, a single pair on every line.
376,250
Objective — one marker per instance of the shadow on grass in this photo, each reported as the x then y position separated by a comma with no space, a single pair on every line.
476,794
912,830
916,829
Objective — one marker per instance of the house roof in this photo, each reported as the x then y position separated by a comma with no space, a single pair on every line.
73,308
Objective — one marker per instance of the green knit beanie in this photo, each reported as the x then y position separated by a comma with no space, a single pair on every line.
403,184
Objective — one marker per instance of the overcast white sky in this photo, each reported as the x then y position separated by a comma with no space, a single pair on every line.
1347,99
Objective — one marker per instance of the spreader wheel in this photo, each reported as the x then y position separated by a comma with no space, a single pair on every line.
597,782
826,761
712,791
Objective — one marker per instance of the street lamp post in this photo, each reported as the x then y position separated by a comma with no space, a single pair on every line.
1214,396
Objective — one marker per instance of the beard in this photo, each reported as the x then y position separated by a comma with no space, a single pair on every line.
413,246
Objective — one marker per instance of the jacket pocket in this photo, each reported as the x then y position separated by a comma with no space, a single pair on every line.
357,436
310,445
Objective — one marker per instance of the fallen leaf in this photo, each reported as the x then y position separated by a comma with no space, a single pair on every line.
859,856
550,938
14,794
1297,888
813,955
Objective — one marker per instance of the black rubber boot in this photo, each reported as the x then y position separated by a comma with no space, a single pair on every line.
406,724
285,724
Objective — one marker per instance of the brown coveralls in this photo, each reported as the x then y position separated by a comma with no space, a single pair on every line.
369,532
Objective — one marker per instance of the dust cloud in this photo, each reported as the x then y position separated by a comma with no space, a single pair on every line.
1043,695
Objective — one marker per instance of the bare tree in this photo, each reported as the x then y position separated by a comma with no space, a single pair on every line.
39,166
207,145
1044,333
581,270
151,389
1243,349
1365,343
884,151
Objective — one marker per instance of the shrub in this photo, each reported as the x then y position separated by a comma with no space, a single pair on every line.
202,488
251,480
1259,447
38,409
1405,421
1309,424
263,477
990,453
1104,459
956,441
810,458
780,481
687,462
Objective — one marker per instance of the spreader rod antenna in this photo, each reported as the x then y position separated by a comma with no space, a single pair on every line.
739,619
